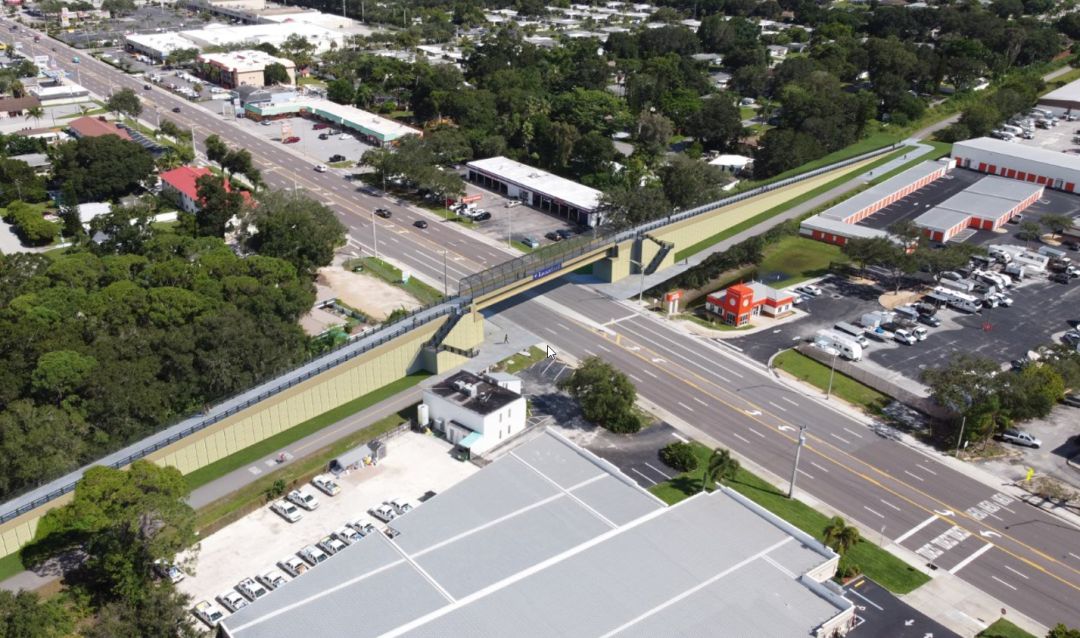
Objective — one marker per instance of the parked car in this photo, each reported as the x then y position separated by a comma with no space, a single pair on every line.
482,216
208,612
313,555
564,233
292,139
512,203
344,136
1060,277
324,136
251,589
361,527
232,600
384,513
146,87
930,320
1019,437
951,275
321,168
1072,245
905,337
293,566
919,333
320,126
1003,299
286,510
810,289
382,212
272,579
304,499
168,570
531,242
327,484
347,535
554,236
1071,337
176,109
331,545
336,158
400,505
1072,400
420,224
266,123
1016,219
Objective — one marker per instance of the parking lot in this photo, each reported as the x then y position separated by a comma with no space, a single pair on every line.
414,465
319,151
515,222
879,613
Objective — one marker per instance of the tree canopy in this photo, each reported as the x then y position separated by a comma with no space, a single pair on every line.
293,227
101,168
606,395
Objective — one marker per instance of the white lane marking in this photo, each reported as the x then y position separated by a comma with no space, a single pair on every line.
789,401
680,437
1074,556
589,352
550,330
967,561
635,471
809,476
701,402
928,470
1007,509
889,504
1003,582
777,406
915,476
683,405
1020,574
839,438
741,438
756,432
852,591
855,434
875,513
635,378
602,348
658,471
671,352
649,372
562,326
819,467
911,532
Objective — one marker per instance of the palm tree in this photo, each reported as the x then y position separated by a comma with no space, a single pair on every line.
839,535
721,467
35,113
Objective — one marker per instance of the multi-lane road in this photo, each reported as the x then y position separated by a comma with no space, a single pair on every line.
1017,553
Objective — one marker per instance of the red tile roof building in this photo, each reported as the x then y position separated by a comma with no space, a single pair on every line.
737,304
181,183
93,127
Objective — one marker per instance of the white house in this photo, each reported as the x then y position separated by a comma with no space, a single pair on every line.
474,412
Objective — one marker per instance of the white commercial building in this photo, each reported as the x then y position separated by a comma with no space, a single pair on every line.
538,188
69,93
476,413
1052,169
157,45
374,129
276,34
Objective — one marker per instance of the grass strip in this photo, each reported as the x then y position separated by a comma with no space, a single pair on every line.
422,292
517,362
226,510
876,563
776,210
254,452
10,565
798,258
817,374
1003,629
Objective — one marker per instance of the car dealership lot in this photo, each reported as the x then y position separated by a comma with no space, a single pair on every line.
414,465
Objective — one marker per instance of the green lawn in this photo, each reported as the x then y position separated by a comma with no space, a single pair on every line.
345,164
523,248
422,292
817,374
517,362
248,498
10,565
252,453
711,325
799,258
747,112
1003,629
884,568
776,210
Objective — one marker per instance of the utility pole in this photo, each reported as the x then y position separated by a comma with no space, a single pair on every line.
374,236
795,470
832,373
963,422
641,286
445,285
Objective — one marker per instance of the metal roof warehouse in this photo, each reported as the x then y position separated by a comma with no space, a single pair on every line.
1060,171
550,540
538,188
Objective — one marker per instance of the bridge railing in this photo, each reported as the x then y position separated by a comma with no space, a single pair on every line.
34,498
550,258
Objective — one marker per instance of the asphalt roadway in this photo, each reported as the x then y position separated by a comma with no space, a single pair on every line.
1016,553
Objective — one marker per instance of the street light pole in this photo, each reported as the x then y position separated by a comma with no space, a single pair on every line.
832,372
374,235
641,286
963,422
795,470
445,291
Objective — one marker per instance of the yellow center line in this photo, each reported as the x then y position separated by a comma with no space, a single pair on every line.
647,359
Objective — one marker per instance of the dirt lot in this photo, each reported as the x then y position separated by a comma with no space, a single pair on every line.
371,296
415,463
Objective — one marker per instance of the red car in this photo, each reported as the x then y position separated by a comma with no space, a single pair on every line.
319,127
290,140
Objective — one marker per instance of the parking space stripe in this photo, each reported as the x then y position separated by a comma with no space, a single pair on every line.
658,471
635,471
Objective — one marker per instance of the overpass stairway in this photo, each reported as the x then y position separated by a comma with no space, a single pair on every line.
436,342
665,248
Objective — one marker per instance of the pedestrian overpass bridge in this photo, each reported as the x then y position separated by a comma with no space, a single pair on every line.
434,339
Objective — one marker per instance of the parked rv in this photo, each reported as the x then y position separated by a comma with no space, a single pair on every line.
843,345
855,332
956,299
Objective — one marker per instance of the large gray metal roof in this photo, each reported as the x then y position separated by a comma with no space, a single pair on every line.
1004,187
876,193
551,541
990,150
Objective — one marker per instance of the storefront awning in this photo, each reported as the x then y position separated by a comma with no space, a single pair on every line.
472,439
